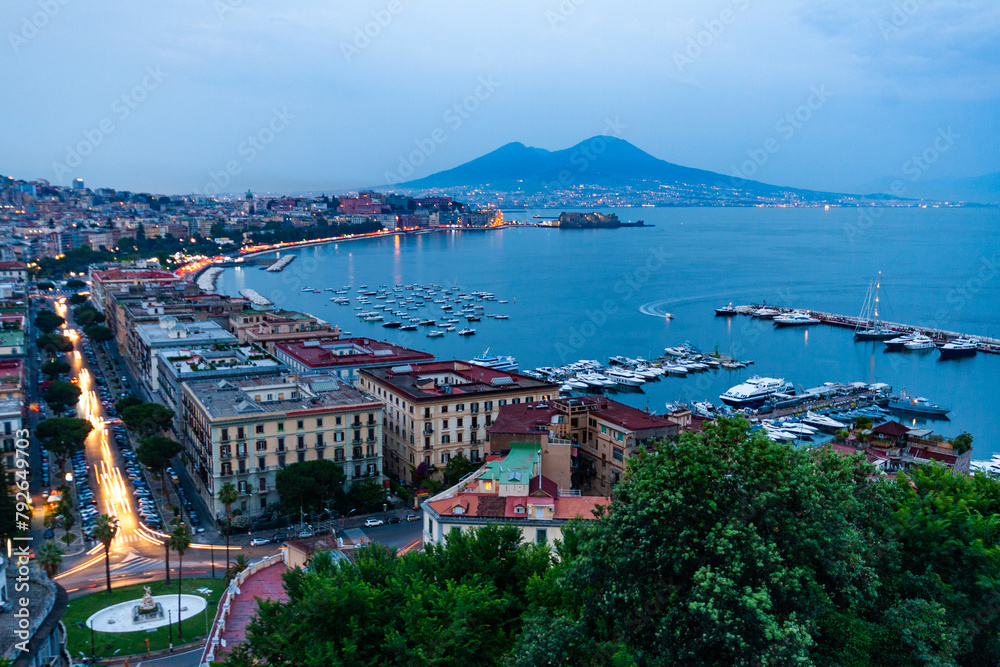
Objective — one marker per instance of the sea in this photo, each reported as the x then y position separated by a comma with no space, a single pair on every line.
594,294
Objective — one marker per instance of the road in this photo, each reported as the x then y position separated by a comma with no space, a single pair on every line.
137,553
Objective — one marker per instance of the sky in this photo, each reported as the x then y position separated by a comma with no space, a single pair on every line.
316,95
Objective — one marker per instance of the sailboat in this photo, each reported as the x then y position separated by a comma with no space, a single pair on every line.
869,328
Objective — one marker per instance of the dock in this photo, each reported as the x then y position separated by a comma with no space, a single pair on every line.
986,343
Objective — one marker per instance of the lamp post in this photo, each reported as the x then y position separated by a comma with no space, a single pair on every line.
93,657
170,628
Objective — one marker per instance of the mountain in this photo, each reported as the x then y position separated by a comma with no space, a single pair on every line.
601,160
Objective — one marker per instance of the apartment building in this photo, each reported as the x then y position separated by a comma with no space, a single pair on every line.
437,410
603,433
244,430
168,333
345,356
268,327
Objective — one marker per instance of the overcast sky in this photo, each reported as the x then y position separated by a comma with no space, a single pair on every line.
163,96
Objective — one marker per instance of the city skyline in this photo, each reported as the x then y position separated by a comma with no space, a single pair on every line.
314,98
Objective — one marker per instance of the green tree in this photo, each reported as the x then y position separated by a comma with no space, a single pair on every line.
105,530
77,299
60,395
50,557
155,452
99,333
307,484
962,442
55,368
458,467
147,419
366,495
456,604
53,344
240,563
179,541
66,512
46,321
728,548
46,286
73,283
62,436
127,402
227,496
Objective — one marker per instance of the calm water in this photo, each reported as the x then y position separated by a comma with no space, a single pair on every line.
598,293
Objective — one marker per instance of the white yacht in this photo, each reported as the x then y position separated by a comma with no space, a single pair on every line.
822,421
754,391
959,347
624,377
920,343
500,363
795,318
765,313
899,342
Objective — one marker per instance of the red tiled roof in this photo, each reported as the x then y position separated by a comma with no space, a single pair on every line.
523,418
583,506
317,355
891,429
133,274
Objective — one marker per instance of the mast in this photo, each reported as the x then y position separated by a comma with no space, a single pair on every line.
875,304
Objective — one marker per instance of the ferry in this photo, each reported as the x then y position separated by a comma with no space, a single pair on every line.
726,311
500,363
755,391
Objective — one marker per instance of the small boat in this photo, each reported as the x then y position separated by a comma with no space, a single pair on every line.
427,323
472,318
765,313
897,343
625,377
408,327
392,325
435,333
467,332
501,317
959,347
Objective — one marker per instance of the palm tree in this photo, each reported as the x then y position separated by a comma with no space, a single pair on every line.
179,541
50,557
105,529
227,496
240,563
66,510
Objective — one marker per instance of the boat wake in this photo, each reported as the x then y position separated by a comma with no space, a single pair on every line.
662,307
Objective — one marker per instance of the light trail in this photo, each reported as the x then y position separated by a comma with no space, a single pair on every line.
82,566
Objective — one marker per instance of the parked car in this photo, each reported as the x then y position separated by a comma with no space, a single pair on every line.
371,523
413,517
49,533
279,537
394,519
259,541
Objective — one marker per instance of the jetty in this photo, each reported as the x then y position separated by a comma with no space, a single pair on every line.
986,343
280,264
255,297
206,281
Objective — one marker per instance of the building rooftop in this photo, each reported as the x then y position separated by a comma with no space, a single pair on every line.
259,396
518,467
114,275
453,378
524,418
169,332
349,352
188,363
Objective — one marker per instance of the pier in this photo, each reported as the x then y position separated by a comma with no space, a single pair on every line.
986,343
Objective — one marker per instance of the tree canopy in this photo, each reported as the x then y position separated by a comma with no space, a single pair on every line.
63,435
147,418
55,368
307,484
60,395
458,467
47,321
53,344
99,333
366,495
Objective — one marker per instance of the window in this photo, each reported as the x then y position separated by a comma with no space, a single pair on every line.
338,454
281,460
319,440
300,424
337,421
473,454
371,434
241,449
281,427
224,452
338,436
259,428
516,400
319,422
619,455
445,457
427,413
262,445
604,429
458,422
357,472
444,423
445,439
503,402
225,434
281,444
541,536
242,486
460,407
302,442
319,454
239,433
261,463
444,409
458,437
574,422
302,457
243,466
518,509
357,436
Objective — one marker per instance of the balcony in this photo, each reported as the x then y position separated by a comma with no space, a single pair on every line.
428,429
371,440
225,455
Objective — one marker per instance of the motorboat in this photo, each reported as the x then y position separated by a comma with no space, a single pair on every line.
467,332
765,313
920,343
875,333
392,325
899,342
794,319
624,377
435,333
959,347
823,422
726,311
755,391
408,327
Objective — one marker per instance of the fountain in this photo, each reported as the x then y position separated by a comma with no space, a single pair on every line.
148,609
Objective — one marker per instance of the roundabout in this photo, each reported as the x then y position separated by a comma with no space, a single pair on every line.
121,617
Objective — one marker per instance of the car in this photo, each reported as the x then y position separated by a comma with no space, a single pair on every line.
279,537
307,533
259,541
394,519
413,517
371,523
49,533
